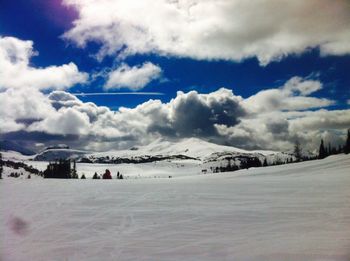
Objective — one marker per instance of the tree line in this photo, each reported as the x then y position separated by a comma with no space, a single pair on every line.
248,162
325,151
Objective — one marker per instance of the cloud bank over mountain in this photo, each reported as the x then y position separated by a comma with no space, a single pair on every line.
270,119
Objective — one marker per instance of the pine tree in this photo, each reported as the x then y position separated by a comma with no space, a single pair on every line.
322,152
1,168
297,150
347,144
340,149
265,163
95,176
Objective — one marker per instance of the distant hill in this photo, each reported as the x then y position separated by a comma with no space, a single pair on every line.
59,153
189,148
160,150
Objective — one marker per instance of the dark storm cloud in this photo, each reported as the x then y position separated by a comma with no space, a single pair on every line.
277,127
194,114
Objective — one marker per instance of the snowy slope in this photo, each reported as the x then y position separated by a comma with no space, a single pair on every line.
191,147
15,156
55,154
289,212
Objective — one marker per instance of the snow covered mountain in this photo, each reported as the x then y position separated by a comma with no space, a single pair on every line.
160,150
189,148
58,153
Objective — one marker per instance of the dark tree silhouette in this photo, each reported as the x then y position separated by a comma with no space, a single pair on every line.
340,149
347,144
1,166
74,173
95,176
83,176
59,170
322,152
265,163
297,151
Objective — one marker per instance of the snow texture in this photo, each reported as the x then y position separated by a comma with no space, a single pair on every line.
290,212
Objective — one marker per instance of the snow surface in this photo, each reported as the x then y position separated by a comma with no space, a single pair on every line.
192,147
159,169
14,156
290,212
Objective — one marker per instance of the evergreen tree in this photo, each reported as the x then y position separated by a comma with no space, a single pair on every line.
95,176
340,149
322,152
83,176
347,144
1,168
74,171
265,163
297,150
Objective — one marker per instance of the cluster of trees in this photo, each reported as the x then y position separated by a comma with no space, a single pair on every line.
61,169
17,166
245,163
326,151
133,160
248,162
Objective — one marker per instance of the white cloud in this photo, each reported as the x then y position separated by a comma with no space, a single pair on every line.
213,29
291,96
261,121
22,104
133,78
16,71
64,121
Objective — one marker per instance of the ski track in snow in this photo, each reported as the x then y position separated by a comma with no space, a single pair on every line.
297,211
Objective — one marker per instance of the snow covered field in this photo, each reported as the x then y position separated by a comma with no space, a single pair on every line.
160,169
289,212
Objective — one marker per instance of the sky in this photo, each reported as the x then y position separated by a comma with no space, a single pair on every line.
110,74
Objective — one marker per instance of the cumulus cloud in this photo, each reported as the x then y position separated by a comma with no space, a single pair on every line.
133,78
213,29
291,96
64,121
258,122
16,71
194,114
19,105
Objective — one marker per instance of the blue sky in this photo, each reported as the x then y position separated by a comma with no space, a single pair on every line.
65,32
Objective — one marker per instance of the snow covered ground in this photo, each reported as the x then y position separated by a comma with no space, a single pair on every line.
159,169
289,212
